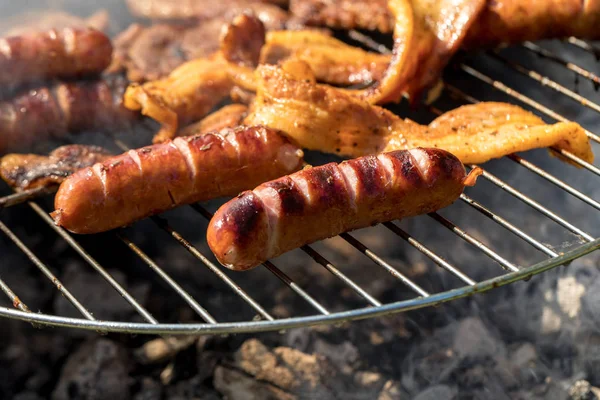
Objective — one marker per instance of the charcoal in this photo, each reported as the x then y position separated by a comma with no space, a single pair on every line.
474,340
581,390
98,370
192,388
149,390
438,392
28,396
523,355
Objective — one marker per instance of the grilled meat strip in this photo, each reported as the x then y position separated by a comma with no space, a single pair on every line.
320,117
331,60
147,181
65,53
321,202
53,111
228,116
28,171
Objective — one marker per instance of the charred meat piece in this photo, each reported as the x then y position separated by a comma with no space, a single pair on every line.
344,14
28,171
272,16
53,111
65,53
501,21
324,118
150,53
321,202
157,178
242,40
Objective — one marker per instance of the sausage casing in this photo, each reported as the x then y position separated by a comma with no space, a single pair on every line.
64,53
321,202
153,179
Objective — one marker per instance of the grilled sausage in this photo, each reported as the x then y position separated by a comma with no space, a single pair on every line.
321,202
65,53
156,178
65,107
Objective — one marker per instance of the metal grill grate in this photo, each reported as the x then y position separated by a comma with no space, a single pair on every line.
509,273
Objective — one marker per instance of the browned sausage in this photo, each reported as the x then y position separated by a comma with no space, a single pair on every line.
65,53
156,178
321,202
54,111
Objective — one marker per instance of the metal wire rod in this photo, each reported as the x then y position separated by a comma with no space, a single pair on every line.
108,277
25,195
545,81
433,256
162,223
16,302
331,268
534,204
542,52
554,180
470,239
201,311
501,221
582,44
46,271
379,261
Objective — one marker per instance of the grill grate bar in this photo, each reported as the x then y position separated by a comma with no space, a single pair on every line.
521,97
283,277
545,81
336,272
534,204
542,52
167,278
25,195
470,239
582,44
274,270
108,277
554,180
16,302
433,256
46,271
501,221
379,261
162,223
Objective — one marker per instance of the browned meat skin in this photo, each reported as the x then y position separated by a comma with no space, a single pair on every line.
65,53
272,16
28,171
321,202
40,21
501,21
242,40
55,110
344,14
228,116
156,178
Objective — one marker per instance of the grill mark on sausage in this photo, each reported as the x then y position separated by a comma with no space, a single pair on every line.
403,167
231,137
327,185
184,148
100,173
291,199
368,174
244,216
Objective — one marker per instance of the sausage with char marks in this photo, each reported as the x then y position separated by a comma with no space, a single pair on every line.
153,179
321,202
